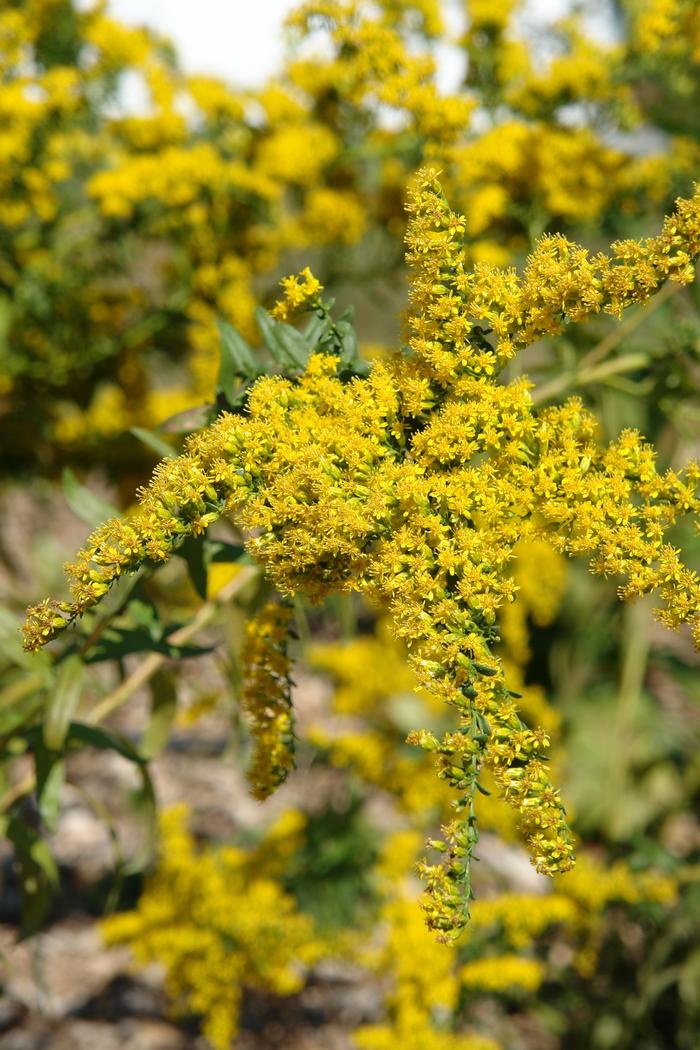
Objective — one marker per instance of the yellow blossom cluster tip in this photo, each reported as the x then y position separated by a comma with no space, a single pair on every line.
300,292
415,486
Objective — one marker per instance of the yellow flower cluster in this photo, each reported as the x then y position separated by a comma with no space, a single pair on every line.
502,954
540,576
578,901
425,987
592,886
300,291
373,62
375,699
266,698
415,485
298,154
497,973
561,284
666,26
146,229
217,924
519,918
175,177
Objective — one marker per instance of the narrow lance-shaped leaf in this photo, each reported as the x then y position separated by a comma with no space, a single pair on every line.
38,873
163,710
200,552
288,347
91,509
63,701
192,551
153,441
315,330
236,360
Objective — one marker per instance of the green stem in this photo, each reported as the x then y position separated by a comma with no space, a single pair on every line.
111,615
22,687
635,653
590,369
145,671
588,376
302,622
603,348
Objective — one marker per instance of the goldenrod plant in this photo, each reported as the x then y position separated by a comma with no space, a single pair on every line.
432,991
414,484
128,231
367,550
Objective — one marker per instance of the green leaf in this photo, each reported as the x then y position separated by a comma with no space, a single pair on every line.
63,701
80,732
236,360
44,762
104,739
287,346
192,550
38,872
145,615
689,982
22,711
118,642
49,797
153,441
220,551
188,421
91,509
293,344
315,330
199,552
6,312
163,710
348,352
144,801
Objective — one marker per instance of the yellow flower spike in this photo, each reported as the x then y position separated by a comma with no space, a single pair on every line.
418,486
266,700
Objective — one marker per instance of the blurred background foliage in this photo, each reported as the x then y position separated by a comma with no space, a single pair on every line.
139,206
